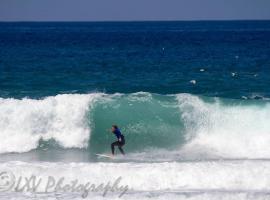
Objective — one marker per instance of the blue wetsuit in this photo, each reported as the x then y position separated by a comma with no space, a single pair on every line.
120,141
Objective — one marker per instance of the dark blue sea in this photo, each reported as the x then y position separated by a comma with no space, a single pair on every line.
43,59
192,99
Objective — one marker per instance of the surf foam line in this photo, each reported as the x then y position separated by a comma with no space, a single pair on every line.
220,176
62,118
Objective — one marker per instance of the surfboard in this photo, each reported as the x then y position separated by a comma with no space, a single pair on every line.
104,155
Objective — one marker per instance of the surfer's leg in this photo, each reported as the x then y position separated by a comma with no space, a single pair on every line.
121,144
121,150
112,146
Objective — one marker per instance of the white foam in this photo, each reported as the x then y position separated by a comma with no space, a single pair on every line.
234,73
168,176
62,118
193,82
225,130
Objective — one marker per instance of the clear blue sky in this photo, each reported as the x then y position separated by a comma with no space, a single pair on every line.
126,10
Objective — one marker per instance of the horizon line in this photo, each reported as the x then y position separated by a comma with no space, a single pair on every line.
96,21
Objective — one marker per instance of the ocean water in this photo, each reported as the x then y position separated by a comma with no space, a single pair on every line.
192,99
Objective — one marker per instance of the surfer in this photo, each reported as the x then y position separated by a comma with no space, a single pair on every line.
120,139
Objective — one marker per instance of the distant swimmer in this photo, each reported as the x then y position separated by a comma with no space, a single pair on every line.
120,139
